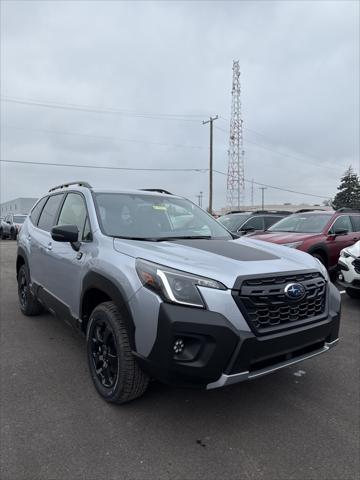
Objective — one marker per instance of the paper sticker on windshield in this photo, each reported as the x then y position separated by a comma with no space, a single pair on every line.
159,207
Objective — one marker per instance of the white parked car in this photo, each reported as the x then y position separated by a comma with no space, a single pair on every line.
349,270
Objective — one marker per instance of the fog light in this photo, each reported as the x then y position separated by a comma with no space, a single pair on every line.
341,277
179,345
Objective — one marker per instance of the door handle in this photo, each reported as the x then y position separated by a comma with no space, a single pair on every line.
49,246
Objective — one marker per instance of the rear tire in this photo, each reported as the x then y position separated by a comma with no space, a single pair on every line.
116,375
13,234
353,293
29,305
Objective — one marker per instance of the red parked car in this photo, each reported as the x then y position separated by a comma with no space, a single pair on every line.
321,233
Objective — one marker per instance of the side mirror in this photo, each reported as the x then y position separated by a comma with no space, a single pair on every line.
66,233
341,231
247,229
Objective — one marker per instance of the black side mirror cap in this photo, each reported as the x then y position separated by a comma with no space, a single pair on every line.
65,233
341,231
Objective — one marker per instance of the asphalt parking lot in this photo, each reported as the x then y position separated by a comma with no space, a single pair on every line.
300,423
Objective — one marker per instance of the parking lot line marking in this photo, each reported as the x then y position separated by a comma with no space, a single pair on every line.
342,291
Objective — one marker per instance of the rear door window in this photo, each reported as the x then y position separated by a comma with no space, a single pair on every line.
355,220
48,215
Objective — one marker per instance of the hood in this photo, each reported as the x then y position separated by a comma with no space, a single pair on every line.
222,260
283,237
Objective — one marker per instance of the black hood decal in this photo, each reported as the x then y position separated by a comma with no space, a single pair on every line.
229,249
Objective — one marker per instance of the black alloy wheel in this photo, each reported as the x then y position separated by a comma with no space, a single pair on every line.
104,353
29,305
23,289
113,368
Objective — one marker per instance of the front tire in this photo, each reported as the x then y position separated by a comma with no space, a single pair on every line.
116,375
29,305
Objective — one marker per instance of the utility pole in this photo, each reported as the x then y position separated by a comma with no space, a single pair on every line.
252,193
210,121
262,197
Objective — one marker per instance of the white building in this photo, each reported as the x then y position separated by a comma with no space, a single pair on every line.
20,205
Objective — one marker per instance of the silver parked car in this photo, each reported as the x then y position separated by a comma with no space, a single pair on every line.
11,225
162,290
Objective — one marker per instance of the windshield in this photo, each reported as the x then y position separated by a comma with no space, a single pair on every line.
19,219
233,222
301,223
153,217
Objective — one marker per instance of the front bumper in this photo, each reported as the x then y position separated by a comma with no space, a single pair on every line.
216,354
347,276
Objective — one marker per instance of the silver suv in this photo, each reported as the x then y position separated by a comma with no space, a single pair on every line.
162,290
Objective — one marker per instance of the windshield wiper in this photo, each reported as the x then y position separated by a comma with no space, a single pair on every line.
185,237
145,239
164,239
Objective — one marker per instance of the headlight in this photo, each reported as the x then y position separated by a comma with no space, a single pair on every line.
173,285
323,269
292,244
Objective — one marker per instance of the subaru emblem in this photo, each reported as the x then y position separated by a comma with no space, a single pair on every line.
295,291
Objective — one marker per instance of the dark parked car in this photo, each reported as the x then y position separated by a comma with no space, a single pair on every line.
11,226
241,223
323,234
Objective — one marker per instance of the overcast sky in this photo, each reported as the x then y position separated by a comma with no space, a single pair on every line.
164,67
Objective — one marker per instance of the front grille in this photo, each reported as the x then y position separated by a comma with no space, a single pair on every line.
356,264
266,307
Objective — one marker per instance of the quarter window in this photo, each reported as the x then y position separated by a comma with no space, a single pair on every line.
35,212
48,215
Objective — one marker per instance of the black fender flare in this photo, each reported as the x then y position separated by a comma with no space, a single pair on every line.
94,280
21,254
320,247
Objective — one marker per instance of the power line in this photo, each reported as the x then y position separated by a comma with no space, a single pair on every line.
106,137
279,188
105,167
277,152
105,110
200,170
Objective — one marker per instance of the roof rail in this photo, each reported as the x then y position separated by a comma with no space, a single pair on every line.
158,190
273,211
64,185
347,209
238,211
303,210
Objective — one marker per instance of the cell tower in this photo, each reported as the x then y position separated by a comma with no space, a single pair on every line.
235,175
